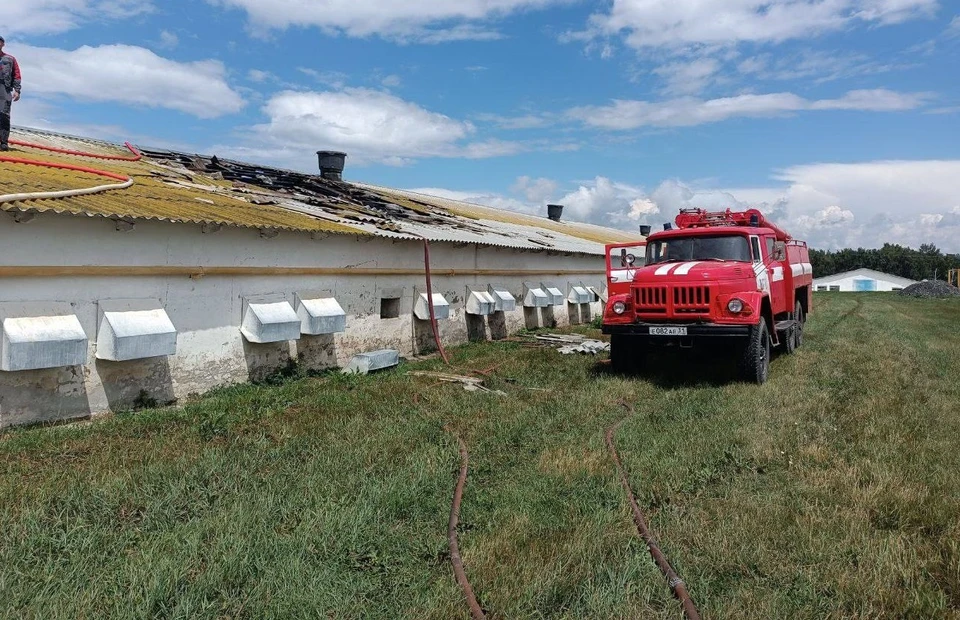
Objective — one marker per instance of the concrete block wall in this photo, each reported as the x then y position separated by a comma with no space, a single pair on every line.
159,266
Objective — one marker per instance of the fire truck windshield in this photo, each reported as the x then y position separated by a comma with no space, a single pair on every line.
719,248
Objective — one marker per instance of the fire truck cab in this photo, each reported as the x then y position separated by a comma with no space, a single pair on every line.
725,278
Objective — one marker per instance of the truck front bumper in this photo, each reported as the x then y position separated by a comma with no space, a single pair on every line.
694,331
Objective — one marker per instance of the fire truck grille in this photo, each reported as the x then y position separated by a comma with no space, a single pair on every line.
651,299
691,299
662,299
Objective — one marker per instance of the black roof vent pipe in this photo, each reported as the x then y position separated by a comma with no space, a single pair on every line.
331,164
554,212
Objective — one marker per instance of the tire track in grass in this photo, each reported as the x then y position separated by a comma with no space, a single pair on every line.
676,584
849,313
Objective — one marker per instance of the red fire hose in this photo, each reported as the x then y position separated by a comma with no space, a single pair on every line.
433,317
476,611
136,154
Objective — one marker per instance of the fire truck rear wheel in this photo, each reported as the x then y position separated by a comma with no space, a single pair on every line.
790,340
798,330
755,360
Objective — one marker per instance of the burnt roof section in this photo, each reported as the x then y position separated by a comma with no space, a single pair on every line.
340,198
181,187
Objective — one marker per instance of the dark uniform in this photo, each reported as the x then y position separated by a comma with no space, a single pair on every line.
9,84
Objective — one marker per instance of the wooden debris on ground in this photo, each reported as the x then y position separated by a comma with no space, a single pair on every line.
470,384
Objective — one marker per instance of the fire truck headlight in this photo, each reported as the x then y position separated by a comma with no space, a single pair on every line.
735,306
619,307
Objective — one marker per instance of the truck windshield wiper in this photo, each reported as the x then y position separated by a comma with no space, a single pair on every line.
669,260
722,260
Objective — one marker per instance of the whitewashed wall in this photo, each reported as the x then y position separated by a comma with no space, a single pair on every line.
207,311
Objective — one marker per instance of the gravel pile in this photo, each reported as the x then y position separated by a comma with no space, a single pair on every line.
931,288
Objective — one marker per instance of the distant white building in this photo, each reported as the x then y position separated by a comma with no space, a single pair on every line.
861,280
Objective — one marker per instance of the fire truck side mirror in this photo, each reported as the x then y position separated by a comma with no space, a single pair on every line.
779,250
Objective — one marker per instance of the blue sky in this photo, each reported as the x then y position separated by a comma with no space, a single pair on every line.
838,117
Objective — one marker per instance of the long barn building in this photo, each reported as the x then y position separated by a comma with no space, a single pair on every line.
206,272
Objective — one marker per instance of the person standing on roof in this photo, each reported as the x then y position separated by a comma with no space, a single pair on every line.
10,87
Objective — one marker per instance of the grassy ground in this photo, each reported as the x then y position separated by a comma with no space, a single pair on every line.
830,492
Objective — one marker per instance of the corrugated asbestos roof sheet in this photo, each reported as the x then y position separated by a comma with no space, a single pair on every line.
579,230
180,187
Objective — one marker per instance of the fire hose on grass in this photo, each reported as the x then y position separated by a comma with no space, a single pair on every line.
676,584
476,611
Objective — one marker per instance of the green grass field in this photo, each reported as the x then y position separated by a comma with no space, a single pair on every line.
832,491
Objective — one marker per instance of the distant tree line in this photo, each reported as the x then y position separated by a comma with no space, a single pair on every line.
897,260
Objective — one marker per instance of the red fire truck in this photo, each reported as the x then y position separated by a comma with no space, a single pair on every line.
725,278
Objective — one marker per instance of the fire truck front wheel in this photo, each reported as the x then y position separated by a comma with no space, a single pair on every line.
626,353
755,359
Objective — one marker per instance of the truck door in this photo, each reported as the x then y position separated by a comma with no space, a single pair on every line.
775,266
759,268
623,260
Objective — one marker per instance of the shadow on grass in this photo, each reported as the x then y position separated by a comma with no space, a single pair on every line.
670,368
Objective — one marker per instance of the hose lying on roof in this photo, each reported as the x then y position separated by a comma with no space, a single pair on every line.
126,181
136,154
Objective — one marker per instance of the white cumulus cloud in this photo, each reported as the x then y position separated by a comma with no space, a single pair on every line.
832,216
866,204
535,190
831,206
600,200
689,111
653,24
369,125
130,75
428,21
641,208
597,201
22,17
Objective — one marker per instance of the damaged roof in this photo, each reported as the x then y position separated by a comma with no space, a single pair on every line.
188,188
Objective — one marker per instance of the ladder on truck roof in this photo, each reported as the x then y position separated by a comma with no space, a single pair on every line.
699,218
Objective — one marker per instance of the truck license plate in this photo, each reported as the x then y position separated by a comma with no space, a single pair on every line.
668,331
